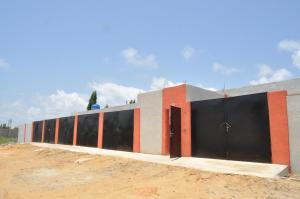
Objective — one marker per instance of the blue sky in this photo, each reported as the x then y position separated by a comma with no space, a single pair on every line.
54,53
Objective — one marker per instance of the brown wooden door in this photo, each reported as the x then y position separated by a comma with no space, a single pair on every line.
175,132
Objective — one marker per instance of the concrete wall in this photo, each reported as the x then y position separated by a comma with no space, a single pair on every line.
293,106
293,102
24,133
110,109
150,122
194,93
21,129
9,132
292,86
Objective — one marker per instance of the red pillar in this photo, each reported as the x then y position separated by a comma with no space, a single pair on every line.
100,130
174,96
56,130
279,131
32,131
75,130
136,131
186,133
43,131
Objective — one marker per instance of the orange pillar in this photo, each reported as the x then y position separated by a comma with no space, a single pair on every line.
32,131
136,130
75,130
56,130
173,96
186,133
279,131
100,130
43,131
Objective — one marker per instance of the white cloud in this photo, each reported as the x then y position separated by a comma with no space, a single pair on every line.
289,45
264,70
296,58
133,57
266,75
62,103
3,64
293,47
19,112
161,82
52,106
225,70
114,94
207,88
187,53
34,111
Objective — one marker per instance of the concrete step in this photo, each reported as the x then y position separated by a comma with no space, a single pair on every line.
204,164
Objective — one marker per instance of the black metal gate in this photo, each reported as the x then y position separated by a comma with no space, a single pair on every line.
175,132
66,130
235,128
49,131
87,130
37,131
118,130
208,133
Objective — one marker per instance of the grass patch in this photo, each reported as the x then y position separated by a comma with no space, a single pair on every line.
5,140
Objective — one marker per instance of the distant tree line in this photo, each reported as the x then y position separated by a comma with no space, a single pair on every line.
4,126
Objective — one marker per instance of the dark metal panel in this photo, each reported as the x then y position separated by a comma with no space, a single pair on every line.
87,130
37,131
49,132
66,130
249,132
118,130
208,131
175,132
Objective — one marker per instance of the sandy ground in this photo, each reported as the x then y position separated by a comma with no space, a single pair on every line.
30,172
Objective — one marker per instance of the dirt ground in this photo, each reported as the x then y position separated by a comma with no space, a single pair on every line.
31,172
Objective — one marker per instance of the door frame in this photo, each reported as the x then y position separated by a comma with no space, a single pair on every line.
175,134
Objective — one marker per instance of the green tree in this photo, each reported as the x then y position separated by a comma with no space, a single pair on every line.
93,100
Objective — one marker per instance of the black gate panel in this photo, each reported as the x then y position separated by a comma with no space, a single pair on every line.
37,131
49,132
249,133
118,130
66,130
175,132
208,132
87,130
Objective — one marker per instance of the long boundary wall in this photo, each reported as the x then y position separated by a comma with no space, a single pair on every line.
151,119
99,142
